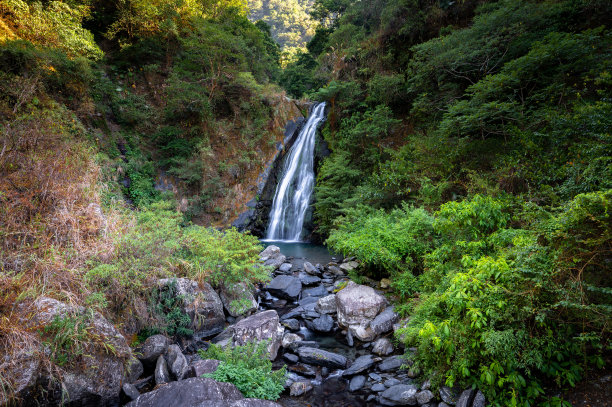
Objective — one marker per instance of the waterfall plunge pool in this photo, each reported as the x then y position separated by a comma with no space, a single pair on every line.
314,253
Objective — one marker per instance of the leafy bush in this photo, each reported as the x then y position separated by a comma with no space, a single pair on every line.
169,306
248,368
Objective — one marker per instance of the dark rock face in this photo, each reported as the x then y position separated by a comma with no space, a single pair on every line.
197,392
152,348
320,357
400,395
200,367
130,391
479,400
382,347
360,364
390,364
315,292
161,371
288,287
448,395
466,398
176,362
384,321
324,324
424,397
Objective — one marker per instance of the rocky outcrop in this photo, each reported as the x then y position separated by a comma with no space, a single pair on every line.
283,286
260,327
198,392
201,303
237,299
357,306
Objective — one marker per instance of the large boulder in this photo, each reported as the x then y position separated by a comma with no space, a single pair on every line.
319,357
326,305
98,377
237,299
198,392
272,256
200,302
384,321
283,286
399,395
260,327
357,306
152,348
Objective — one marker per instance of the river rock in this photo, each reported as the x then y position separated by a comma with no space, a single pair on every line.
133,369
384,321
177,363
326,305
130,391
198,392
307,279
290,338
321,357
360,364
268,252
310,269
318,291
466,398
382,347
379,387
283,286
357,306
292,324
356,383
324,324
479,400
349,266
299,388
201,303
200,367
391,363
302,369
260,327
291,358
22,370
400,395
424,397
152,348
335,270
448,395
237,299
161,371
285,267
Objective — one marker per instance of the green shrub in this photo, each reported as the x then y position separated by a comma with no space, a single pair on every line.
168,305
248,368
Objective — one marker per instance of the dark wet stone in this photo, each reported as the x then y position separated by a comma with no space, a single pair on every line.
291,358
310,269
479,400
324,323
321,357
424,396
300,344
401,395
161,371
375,376
357,383
200,367
299,388
349,338
307,279
287,287
392,382
390,364
448,395
384,321
292,324
360,364
379,387
466,398
130,391
302,369
317,292
152,348
285,267
307,301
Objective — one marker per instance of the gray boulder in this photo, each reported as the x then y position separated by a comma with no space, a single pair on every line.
448,395
357,306
263,326
176,361
308,280
130,391
356,383
272,256
200,367
285,267
479,400
319,357
290,338
152,348
237,299
299,388
466,398
400,395
316,292
382,347
424,397
310,269
326,305
324,324
349,265
162,375
384,321
391,363
361,364
198,392
283,286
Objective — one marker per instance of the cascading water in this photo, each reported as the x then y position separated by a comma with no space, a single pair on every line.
293,192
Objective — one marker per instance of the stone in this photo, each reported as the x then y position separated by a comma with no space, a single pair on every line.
375,376
401,395
21,371
130,391
426,385
176,361
335,270
201,303
237,299
268,252
275,262
318,291
448,395
308,280
310,269
391,382
291,323
291,358
443,404
299,388
391,363
385,283
413,373
349,338
200,367
260,327
283,286
479,400
309,344
356,383
161,371
307,301
302,369
152,348
382,347
285,267
198,392
424,396
357,306
326,305
379,387
324,324
289,338
466,398
319,357
133,369
360,364
384,321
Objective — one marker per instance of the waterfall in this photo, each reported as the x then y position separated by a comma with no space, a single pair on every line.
294,190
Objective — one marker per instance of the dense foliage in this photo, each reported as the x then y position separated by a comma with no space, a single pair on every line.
472,163
248,368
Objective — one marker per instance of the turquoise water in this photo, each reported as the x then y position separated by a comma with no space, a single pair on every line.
314,253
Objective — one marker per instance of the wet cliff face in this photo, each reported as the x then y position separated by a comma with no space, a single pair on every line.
255,217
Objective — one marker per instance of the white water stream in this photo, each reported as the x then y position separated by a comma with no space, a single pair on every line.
294,191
